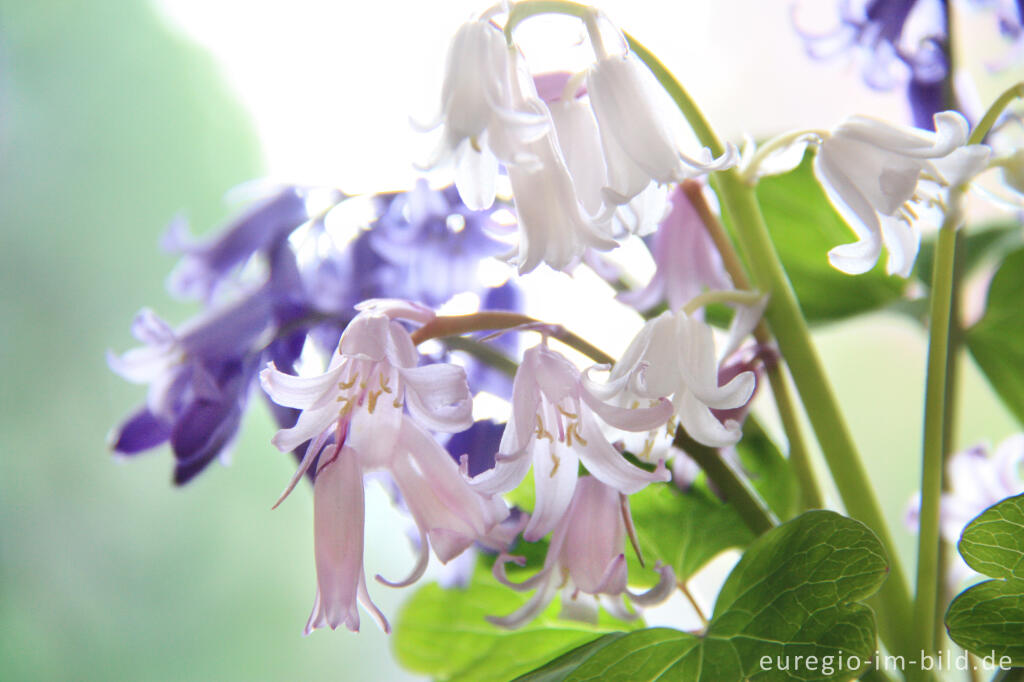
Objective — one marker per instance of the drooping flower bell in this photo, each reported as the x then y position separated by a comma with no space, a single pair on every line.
554,226
871,171
579,140
554,425
586,561
685,257
354,417
674,355
637,139
480,118
200,375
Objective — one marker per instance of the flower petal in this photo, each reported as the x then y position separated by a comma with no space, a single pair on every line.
660,592
634,419
555,469
289,390
438,396
338,512
702,425
608,464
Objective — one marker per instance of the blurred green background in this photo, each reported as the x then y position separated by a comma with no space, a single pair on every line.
109,125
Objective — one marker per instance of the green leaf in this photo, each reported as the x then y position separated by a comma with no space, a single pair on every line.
682,530
988,618
444,632
804,226
795,593
997,340
768,469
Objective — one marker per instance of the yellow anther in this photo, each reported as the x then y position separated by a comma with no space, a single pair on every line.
397,402
372,398
575,426
542,432
568,414
557,461
635,404
345,385
384,384
648,448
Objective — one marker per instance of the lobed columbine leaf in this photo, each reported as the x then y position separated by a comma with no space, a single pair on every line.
988,618
795,592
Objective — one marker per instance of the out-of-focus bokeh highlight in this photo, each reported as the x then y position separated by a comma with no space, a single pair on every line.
116,116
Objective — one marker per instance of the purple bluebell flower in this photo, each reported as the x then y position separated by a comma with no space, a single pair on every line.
199,378
878,28
206,263
200,375
434,241
425,244
478,445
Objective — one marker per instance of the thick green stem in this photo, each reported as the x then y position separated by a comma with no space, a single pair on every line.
799,458
934,429
790,329
736,489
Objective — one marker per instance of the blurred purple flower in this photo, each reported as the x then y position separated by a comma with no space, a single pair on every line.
435,242
201,374
205,264
879,28
478,444
686,259
199,378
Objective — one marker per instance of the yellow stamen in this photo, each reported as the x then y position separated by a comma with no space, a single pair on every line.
372,397
542,432
575,426
566,413
557,461
345,385
384,384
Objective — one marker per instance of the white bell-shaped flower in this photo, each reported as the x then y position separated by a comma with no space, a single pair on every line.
636,134
477,106
871,171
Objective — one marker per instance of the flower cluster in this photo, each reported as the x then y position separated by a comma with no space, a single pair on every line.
339,324
583,160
